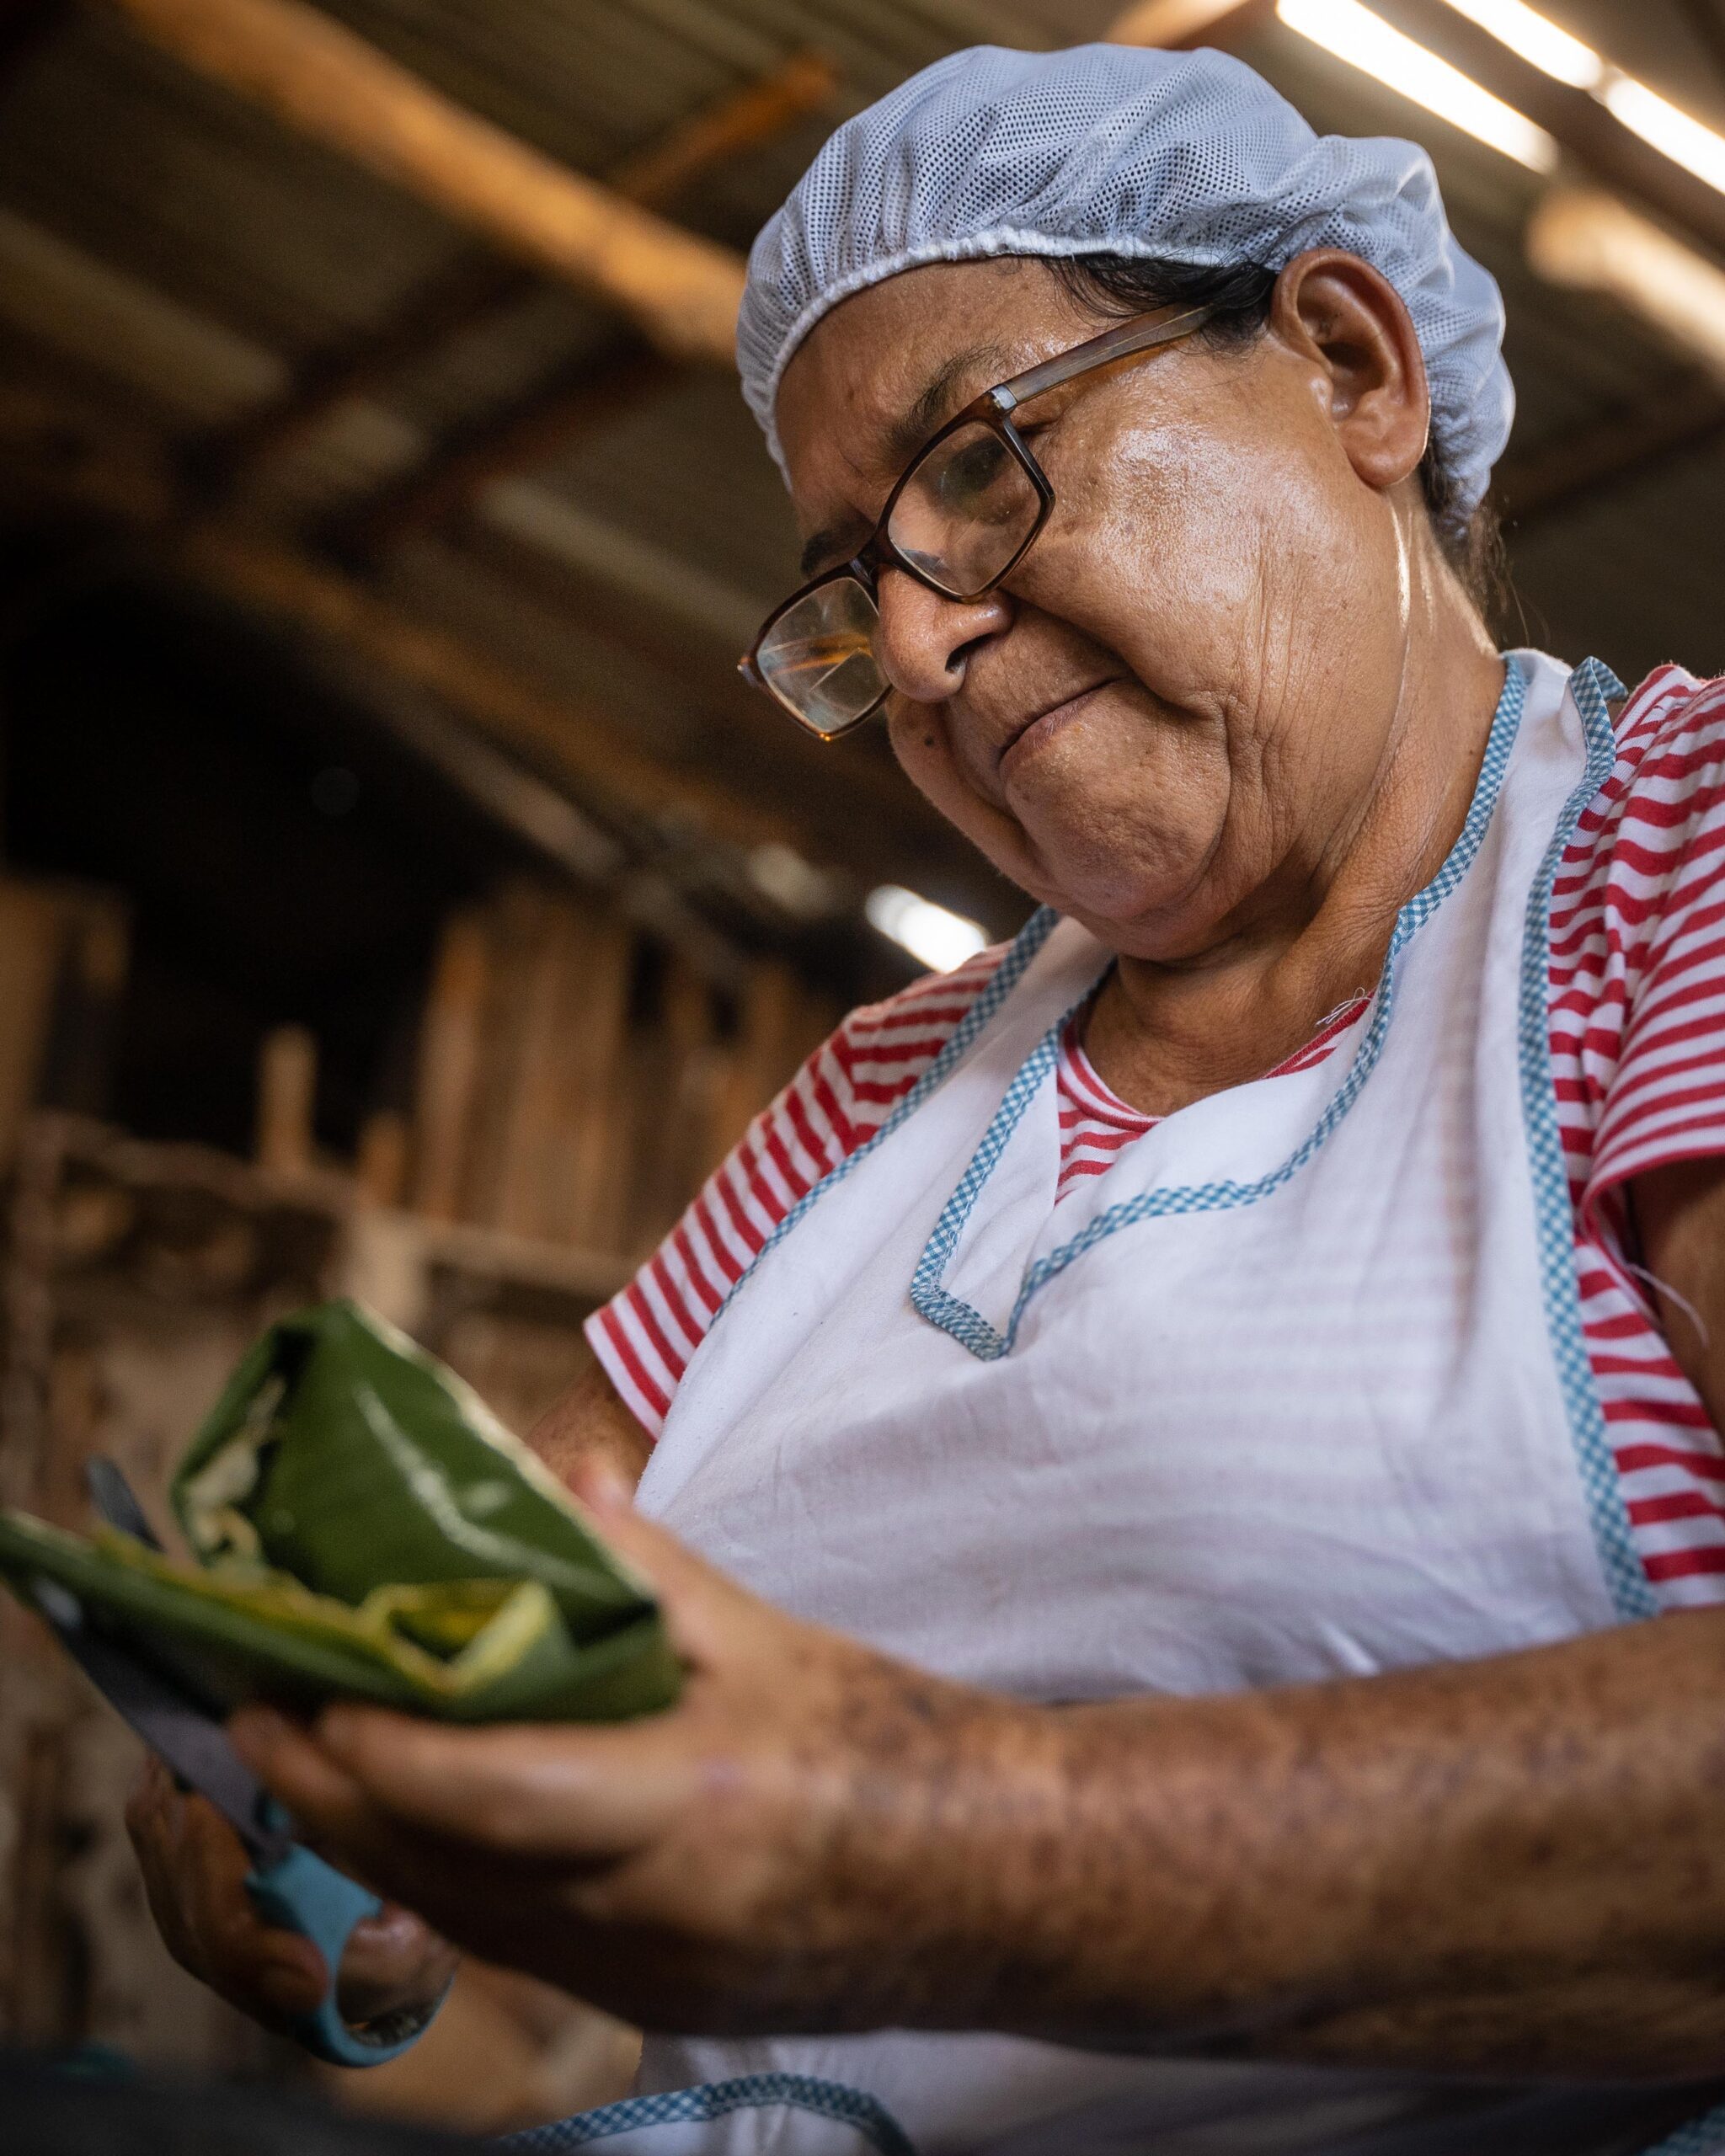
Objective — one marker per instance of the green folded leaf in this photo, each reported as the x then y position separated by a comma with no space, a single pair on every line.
365,1529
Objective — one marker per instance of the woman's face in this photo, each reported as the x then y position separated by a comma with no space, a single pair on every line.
1172,714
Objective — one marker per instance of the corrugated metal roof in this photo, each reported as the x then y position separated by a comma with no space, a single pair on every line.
244,249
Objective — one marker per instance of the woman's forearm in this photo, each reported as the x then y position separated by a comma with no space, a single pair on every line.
1514,1866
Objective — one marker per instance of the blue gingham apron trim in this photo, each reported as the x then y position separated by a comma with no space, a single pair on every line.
1593,685
967,1325
717,2100
1003,981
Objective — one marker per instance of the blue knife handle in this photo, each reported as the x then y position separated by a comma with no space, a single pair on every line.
301,1892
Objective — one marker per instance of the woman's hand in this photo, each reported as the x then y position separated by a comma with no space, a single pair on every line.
1512,1865
787,1848
194,1869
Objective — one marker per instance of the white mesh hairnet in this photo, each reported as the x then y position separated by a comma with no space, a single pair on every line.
1178,156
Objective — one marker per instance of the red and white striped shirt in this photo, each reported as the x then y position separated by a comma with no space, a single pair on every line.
1638,1041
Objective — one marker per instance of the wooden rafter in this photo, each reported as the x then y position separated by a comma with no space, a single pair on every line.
277,581
1579,124
478,282
60,450
309,71
583,394
1175,25
473,287
741,120
72,462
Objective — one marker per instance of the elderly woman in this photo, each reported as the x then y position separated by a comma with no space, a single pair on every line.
1199,1393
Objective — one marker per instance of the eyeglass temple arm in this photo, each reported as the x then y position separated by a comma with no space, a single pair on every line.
1140,334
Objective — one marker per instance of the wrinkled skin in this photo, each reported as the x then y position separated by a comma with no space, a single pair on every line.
1232,784
1229,713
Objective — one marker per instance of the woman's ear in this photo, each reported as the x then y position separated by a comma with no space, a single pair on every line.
1337,310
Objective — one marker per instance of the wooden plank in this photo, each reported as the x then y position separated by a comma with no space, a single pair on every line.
450,1039
514,924
762,1056
529,1195
319,78
595,1003
672,1137
287,1090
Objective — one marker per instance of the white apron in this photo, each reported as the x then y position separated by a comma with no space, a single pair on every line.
1296,1391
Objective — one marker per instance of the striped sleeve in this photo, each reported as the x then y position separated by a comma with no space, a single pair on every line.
1657,1033
645,1335
1638,1034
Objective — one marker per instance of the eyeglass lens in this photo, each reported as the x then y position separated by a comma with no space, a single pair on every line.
818,658
964,510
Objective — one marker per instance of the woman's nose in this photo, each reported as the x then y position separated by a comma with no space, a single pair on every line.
926,641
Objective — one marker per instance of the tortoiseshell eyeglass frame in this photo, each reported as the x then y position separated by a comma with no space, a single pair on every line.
993,408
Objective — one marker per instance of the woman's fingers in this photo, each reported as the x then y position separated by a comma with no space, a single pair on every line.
194,1869
150,1821
520,1791
393,1961
699,1602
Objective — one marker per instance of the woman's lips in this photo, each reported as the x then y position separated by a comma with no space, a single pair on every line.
1043,729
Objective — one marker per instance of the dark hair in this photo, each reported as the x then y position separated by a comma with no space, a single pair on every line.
1241,293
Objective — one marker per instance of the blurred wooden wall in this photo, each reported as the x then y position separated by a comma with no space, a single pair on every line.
574,1084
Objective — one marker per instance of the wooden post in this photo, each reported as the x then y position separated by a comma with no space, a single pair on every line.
449,1047
287,1089
380,1169
322,81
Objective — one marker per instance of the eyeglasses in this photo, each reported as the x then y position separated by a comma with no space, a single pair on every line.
965,511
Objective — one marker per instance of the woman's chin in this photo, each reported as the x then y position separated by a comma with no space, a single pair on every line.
1131,906
1146,924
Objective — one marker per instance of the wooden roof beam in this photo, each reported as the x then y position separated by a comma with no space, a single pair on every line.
1579,124
583,394
475,285
681,291
478,283
1178,25
741,121
66,451
548,724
